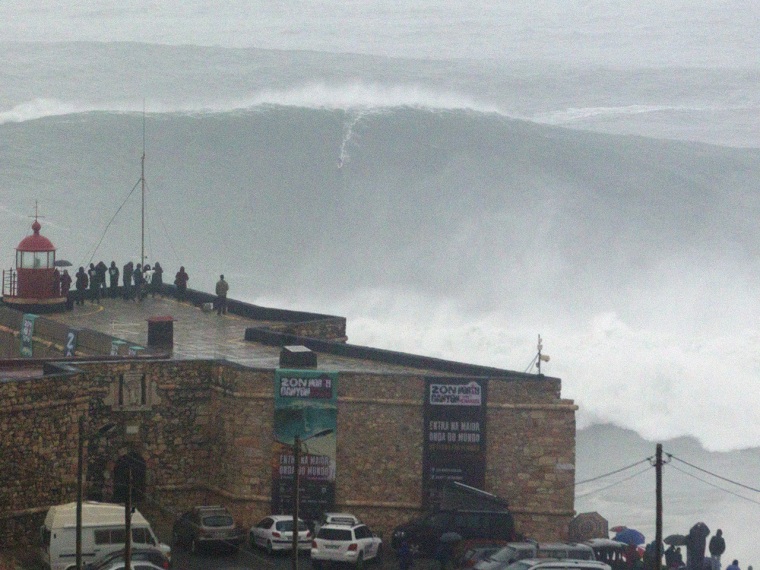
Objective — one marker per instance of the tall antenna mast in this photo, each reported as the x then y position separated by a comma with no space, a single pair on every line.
142,182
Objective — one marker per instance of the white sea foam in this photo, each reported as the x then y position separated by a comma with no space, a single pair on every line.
355,98
661,383
576,114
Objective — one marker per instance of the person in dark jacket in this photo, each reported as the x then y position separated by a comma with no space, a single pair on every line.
92,275
56,283
157,282
113,280
696,541
81,285
102,270
180,280
717,545
65,287
126,278
139,281
404,555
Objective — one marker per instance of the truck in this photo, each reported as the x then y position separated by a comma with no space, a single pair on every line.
475,516
103,532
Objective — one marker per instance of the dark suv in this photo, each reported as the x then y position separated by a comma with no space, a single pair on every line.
207,526
424,534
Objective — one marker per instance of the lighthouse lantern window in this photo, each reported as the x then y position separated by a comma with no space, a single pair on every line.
35,259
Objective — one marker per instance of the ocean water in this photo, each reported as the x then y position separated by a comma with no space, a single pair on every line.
454,179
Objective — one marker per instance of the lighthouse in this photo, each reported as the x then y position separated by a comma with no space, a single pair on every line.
32,286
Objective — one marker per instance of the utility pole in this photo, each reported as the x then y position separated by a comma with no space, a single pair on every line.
296,498
658,519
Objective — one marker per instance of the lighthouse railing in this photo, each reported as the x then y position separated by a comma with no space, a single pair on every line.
10,282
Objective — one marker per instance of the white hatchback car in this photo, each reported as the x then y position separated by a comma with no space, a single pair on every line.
335,518
558,564
351,543
275,532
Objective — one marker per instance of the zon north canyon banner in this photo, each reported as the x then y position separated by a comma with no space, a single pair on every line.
455,435
306,405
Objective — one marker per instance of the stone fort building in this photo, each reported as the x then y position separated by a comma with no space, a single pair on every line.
191,400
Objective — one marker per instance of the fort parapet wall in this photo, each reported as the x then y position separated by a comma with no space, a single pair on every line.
50,335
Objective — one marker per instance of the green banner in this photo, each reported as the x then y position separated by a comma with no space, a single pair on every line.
306,406
27,332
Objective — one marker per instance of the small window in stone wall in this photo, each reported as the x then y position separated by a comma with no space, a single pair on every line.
133,392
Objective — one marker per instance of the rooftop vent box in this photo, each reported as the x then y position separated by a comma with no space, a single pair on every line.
297,356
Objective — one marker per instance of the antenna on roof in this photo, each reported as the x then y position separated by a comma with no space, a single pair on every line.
36,211
142,187
540,357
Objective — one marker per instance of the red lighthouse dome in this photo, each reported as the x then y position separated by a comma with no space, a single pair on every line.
34,284
35,243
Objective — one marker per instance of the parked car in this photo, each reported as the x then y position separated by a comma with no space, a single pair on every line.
576,551
206,526
275,532
152,555
423,535
609,551
558,564
141,565
474,555
516,551
334,518
351,543
509,553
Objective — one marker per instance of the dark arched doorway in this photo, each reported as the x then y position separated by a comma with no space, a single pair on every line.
133,461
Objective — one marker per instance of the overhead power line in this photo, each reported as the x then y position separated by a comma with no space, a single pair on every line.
615,472
715,486
616,483
715,475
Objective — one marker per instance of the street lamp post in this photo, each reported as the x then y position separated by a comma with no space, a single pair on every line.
80,469
80,482
297,441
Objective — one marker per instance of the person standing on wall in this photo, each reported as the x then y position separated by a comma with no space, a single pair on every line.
157,283
65,286
139,282
113,276
126,278
221,295
102,269
94,289
147,286
82,283
180,280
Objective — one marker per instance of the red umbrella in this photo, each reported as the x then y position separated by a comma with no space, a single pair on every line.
619,528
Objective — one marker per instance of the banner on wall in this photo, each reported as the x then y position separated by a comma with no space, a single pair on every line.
27,332
455,435
306,405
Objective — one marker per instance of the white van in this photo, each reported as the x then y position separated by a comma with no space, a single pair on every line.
103,532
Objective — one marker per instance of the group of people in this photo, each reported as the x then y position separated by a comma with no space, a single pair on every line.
99,281
137,282
695,543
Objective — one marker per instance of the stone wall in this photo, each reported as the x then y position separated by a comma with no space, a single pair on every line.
204,431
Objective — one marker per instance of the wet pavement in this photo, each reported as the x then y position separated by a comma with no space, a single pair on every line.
197,334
